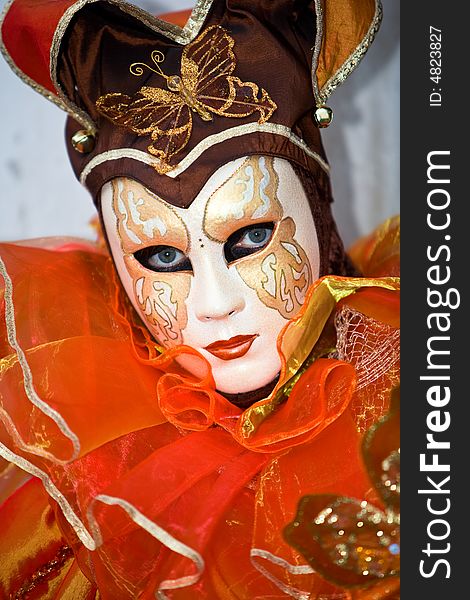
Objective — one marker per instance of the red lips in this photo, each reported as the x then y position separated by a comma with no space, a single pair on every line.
235,347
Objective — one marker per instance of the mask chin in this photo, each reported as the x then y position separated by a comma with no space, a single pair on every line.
246,399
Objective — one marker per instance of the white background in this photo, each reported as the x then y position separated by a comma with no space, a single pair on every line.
40,195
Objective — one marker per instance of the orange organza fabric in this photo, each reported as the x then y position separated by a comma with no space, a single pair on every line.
378,254
35,559
153,484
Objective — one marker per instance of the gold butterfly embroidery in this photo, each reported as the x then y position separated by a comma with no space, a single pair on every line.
206,87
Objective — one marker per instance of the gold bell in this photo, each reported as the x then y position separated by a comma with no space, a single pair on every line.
323,116
83,141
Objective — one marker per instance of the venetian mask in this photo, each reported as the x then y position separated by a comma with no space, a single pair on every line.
223,276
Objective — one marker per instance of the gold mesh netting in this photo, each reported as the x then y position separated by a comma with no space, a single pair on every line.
373,348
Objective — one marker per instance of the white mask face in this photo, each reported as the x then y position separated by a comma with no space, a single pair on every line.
223,276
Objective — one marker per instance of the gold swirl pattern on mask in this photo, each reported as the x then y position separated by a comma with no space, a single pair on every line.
248,196
162,300
145,220
205,87
280,274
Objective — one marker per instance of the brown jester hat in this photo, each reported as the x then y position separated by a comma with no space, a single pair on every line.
168,105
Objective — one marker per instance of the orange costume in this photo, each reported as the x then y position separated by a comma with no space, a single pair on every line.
142,480
156,483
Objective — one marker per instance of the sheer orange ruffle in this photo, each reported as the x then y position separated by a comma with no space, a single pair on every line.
144,504
36,563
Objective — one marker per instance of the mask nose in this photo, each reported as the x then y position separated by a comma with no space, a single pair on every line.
217,293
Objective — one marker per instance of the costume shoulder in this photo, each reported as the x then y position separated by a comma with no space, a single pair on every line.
378,254
67,351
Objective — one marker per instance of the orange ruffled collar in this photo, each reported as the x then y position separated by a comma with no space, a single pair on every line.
88,405
310,394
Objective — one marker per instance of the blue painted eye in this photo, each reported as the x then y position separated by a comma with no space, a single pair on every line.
256,237
248,240
163,259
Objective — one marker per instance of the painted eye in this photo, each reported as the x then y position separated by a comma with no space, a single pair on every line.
248,240
164,259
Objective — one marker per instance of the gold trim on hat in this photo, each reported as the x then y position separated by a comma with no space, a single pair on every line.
182,36
174,32
205,144
81,118
353,60
117,154
316,51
